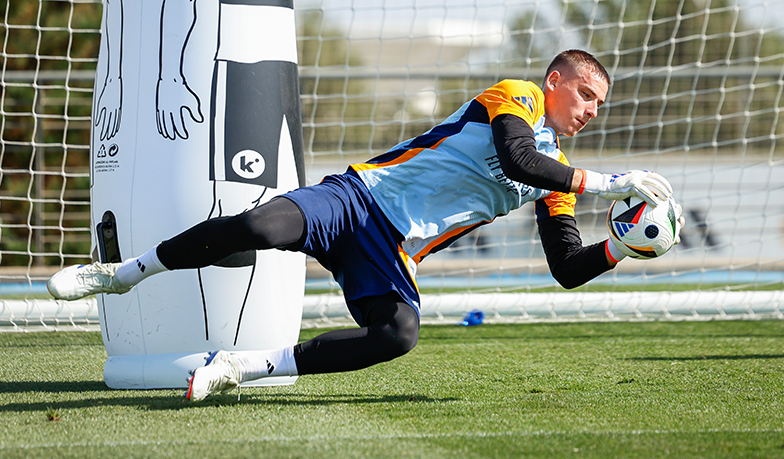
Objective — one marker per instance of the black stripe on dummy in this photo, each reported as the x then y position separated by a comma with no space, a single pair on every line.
258,96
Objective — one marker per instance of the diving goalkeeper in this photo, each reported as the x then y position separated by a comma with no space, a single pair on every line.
372,225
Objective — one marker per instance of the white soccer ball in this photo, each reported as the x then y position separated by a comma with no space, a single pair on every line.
640,230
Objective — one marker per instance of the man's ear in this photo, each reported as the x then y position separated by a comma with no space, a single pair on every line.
552,80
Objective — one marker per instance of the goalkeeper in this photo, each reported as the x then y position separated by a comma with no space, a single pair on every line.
372,225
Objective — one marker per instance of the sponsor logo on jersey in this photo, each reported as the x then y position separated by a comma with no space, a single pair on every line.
527,102
510,185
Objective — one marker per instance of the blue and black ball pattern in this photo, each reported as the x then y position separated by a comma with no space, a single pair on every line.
651,231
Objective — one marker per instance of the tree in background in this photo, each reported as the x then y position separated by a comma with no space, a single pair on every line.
45,128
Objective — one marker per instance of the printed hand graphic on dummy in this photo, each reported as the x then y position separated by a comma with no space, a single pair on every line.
173,99
173,96
109,108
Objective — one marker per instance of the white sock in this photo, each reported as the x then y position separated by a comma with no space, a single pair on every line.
134,270
260,364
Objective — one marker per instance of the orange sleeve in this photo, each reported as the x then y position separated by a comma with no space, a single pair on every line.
514,97
557,202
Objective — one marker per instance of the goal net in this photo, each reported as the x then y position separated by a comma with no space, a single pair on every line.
696,95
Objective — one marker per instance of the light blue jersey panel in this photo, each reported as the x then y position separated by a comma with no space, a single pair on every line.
436,193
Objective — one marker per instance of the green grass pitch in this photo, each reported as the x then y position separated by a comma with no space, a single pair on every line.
599,390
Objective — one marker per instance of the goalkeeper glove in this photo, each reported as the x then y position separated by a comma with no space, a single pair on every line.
648,186
679,222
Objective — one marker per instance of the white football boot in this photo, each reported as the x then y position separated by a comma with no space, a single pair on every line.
220,374
79,281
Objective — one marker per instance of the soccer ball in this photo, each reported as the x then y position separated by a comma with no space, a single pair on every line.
640,230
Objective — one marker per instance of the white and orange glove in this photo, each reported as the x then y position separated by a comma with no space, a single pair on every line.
646,185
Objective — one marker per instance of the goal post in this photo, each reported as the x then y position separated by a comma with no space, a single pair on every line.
696,95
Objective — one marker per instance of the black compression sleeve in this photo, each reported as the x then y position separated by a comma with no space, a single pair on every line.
278,223
571,264
516,148
391,329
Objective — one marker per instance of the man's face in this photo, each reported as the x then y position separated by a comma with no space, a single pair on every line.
572,98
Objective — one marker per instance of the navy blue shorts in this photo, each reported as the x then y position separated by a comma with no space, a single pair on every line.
349,235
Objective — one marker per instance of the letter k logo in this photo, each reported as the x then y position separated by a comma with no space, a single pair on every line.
248,164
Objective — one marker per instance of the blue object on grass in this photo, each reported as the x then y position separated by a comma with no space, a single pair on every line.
474,317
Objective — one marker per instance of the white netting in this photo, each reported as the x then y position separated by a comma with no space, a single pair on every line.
696,95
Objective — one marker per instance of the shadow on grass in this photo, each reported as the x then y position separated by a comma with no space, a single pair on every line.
55,387
330,399
574,331
173,400
711,357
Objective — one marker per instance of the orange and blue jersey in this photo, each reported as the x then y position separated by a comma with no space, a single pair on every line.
448,181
